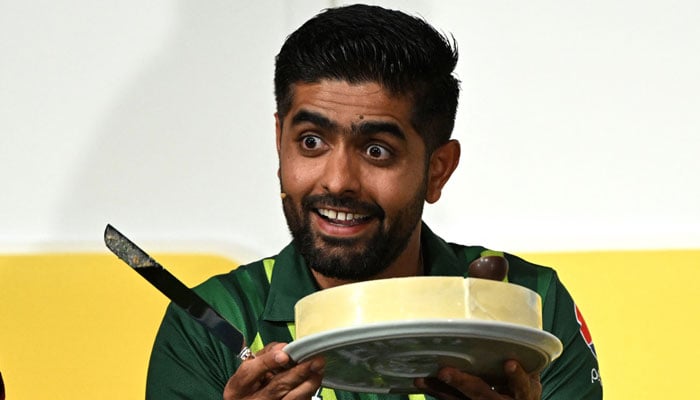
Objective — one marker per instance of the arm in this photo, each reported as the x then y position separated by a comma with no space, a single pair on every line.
188,363
575,374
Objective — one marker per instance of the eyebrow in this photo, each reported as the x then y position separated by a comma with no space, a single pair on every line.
314,118
364,128
367,128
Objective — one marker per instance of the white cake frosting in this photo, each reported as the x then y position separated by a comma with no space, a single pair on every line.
416,298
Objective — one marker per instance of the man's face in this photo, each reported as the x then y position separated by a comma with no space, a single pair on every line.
354,172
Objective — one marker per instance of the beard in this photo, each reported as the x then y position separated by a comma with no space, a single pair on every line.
353,259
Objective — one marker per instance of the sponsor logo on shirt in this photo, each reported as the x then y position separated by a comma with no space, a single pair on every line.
585,333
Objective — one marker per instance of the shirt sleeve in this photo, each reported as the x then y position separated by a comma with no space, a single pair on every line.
186,361
575,374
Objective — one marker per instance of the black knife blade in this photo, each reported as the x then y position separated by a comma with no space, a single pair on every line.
175,290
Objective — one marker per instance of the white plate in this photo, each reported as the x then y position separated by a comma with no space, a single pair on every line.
386,357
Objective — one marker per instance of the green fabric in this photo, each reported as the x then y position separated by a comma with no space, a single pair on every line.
188,363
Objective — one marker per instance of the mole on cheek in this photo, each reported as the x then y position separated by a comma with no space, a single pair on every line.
361,116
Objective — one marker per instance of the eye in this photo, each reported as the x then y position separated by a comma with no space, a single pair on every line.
378,152
311,142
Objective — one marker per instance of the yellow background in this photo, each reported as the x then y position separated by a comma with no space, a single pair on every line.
80,326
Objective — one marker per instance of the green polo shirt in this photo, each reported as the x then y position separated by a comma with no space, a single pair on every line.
189,363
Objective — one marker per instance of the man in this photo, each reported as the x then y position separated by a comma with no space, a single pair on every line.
366,101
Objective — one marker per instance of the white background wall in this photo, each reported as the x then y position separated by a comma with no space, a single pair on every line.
579,123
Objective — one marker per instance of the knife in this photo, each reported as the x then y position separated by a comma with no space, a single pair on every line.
176,291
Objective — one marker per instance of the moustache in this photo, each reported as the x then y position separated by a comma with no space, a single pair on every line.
310,203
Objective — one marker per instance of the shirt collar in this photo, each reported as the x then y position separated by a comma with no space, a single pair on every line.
439,258
292,279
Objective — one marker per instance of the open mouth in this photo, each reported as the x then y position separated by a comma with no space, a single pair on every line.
342,217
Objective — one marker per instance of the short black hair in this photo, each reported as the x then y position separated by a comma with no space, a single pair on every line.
363,43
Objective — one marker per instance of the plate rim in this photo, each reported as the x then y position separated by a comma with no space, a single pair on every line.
543,342
537,339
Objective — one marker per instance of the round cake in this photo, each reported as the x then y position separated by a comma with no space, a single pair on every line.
378,336
416,298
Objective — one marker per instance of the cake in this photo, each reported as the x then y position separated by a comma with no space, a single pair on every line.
417,298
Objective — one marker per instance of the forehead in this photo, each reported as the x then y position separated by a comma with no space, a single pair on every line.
347,102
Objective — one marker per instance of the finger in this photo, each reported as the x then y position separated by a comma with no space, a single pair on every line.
521,384
272,346
470,385
301,380
271,375
438,389
255,371
306,389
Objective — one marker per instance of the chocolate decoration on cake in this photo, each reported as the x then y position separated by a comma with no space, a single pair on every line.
490,267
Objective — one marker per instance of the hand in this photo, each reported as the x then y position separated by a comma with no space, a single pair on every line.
272,375
452,384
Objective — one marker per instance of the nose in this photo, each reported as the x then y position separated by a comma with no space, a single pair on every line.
341,173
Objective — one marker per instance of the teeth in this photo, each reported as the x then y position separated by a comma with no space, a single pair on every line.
339,215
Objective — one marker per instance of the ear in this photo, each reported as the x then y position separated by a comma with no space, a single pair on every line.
443,162
278,140
278,133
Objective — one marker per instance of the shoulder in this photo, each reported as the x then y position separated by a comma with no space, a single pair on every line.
238,292
520,271
452,259
537,277
242,275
